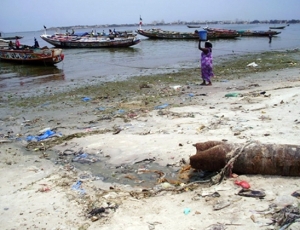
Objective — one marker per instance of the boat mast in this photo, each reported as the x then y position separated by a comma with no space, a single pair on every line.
141,22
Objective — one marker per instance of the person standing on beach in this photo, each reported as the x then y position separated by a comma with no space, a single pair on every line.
17,43
206,63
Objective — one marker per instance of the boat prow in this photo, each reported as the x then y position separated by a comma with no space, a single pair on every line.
32,56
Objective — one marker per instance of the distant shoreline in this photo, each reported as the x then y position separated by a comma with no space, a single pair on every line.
277,22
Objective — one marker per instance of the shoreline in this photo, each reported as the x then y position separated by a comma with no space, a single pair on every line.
125,128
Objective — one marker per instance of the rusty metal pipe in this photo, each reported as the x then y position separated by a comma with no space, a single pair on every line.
257,158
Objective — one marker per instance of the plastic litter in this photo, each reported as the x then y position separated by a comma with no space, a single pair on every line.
45,104
176,87
45,135
243,184
163,106
232,95
186,211
78,188
86,99
252,64
101,108
252,193
296,194
120,111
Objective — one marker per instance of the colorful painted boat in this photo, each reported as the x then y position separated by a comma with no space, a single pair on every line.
164,34
32,56
85,40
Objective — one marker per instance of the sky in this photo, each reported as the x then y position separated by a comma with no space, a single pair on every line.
31,15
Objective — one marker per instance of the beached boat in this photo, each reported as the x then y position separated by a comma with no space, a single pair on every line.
32,56
258,33
164,34
86,40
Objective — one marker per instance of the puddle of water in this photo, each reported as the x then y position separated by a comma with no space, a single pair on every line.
145,173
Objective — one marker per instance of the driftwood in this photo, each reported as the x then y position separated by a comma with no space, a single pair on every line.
252,158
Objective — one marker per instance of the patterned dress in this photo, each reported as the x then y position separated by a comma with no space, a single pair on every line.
207,65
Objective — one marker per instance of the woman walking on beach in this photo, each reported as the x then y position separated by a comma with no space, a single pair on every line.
206,62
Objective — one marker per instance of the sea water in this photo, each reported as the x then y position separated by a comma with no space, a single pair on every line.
82,66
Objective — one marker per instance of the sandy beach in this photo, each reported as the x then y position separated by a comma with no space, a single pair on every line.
36,193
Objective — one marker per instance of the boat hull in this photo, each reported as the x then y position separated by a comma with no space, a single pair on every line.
11,38
34,57
246,33
87,42
193,26
277,27
249,33
163,34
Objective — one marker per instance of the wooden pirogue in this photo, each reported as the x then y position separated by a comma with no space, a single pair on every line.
256,158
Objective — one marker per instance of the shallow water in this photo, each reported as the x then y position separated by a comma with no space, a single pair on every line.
82,66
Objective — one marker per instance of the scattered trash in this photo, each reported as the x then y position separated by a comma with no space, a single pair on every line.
45,104
220,204
101,108
44,189
186,211
287,216
232,95
217,226
120,111
296,194
97,211
243,184
78,188
176,87
251,193
252,64
163,106
85,158
86,99
48,133
191,94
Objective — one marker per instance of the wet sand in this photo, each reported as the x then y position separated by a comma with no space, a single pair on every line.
35,193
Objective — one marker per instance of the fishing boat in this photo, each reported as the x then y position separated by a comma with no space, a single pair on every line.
86,40
248,33
164,34
277,27
193,26
10,37
44,56
258,33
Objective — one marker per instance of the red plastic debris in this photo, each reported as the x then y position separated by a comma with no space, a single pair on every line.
243,184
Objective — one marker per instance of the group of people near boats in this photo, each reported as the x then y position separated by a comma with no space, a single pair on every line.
17,44
206,59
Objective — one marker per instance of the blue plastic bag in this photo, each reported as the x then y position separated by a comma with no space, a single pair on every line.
161,106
